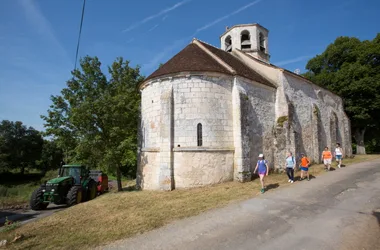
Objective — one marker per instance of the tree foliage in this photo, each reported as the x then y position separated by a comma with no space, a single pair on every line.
351,68
51,156
20,146
95,119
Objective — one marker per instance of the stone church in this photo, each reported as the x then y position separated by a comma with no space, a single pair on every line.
209,112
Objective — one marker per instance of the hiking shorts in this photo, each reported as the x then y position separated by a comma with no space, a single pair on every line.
304,169
327,161
338,157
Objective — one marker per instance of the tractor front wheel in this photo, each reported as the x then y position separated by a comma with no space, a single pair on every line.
74,196
37,200
91,190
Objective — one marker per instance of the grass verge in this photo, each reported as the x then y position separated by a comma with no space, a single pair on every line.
116,216
16,189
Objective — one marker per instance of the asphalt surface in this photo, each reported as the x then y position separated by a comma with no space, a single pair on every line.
337,210
28,215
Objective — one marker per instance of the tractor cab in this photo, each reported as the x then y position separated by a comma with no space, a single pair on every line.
78,172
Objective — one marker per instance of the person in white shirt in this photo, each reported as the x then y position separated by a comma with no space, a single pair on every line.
339,154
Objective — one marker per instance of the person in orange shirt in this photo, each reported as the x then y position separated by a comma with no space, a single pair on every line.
304,166
326,158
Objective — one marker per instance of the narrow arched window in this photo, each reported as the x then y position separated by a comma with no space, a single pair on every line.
245,39
199,134
228,44
262,42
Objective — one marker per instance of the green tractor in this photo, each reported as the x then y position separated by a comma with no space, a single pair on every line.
72,186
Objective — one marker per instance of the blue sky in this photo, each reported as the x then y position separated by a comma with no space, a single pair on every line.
38,37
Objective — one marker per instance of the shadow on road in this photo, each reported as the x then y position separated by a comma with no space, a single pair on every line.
23,215
16,216
377,215
272,186
55,207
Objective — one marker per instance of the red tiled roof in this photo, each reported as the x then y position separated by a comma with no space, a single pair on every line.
193,58
240,68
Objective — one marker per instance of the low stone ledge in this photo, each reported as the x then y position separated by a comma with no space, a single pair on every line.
150,150
202,149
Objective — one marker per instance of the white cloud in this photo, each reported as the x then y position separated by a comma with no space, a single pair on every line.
218,20
160,13
164,53
293,60
154,27
42,25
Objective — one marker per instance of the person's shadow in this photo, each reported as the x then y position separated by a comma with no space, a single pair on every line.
272,186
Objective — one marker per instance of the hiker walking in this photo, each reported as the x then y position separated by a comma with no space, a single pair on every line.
262,166
339,154
326,158
290,165
304,166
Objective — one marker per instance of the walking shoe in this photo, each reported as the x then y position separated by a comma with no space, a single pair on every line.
339,166
308,179
262,190
291,181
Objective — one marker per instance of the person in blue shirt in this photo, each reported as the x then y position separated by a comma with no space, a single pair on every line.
262,166
290,165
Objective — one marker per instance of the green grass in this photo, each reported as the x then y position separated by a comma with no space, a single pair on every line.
16,189
116,216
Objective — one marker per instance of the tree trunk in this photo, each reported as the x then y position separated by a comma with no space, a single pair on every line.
359,138
118,178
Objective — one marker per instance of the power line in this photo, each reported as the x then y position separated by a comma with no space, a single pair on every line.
80,32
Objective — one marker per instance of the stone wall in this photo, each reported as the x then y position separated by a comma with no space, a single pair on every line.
150,115
172,108
316,117
254,116
148,170
206,100
195,168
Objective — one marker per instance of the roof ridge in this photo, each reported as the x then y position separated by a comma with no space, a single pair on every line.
215,57
199,40
286,71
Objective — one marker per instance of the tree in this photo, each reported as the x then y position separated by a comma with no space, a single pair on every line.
20,147
51,156
95,119
351,68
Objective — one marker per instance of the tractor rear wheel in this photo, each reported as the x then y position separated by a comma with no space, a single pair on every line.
37,200
74,196
91,190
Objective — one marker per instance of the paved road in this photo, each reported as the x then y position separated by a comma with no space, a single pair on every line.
28,215
338,210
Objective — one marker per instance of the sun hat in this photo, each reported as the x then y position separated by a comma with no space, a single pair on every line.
261,155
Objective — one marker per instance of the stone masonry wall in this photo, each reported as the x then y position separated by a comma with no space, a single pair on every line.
147,175
150,115
316,117
199,168
257,121
206,100
171,110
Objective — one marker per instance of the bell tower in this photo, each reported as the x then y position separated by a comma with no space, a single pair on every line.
249,38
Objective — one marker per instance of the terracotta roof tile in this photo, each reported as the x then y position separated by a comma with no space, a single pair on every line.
191,58
240,68
195,59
